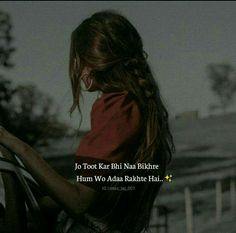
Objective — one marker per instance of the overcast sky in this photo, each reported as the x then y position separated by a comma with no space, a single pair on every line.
181,38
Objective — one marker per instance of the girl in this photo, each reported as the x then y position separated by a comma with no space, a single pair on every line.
129,123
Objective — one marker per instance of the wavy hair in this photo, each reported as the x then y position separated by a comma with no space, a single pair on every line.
109,44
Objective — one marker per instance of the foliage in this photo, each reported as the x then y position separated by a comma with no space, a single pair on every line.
6,49
24,110
223,83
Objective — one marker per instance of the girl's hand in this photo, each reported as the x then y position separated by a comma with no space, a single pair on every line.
13,143
74,198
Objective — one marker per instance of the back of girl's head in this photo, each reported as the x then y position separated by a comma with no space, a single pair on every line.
111,46
105,38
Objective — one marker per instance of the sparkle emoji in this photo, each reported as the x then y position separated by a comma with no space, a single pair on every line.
168,178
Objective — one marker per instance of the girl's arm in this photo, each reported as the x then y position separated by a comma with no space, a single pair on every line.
74,198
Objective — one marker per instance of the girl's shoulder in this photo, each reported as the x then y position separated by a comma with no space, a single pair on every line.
116,122
119,102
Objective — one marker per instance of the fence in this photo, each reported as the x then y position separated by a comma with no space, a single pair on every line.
190,228
161,218
161,212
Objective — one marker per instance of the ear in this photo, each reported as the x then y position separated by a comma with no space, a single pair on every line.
86,70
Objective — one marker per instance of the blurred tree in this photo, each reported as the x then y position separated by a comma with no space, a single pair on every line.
35,115
6,93
6,50
223,84
24,110
5,40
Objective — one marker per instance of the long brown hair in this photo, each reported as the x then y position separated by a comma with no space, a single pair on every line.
109,44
